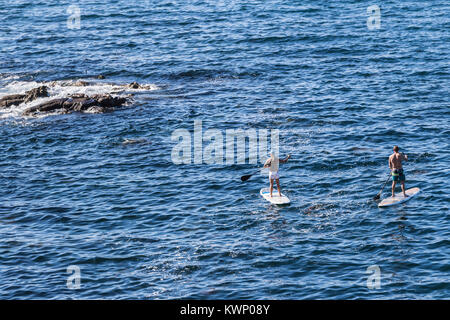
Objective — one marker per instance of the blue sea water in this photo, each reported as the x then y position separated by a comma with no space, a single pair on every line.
76,192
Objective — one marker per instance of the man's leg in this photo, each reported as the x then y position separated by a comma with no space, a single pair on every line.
393,188
402,180
278,187
403,189
271,187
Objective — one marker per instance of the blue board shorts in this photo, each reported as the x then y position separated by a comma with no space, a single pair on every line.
398,175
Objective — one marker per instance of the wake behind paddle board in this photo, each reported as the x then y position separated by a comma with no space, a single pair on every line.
399,198
275,199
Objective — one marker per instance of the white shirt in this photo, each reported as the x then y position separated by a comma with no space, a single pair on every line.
274,163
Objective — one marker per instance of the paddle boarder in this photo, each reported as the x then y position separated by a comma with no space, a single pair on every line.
395,164
272,163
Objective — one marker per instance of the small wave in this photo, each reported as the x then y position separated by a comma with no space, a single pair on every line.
141,141
7,77
202,74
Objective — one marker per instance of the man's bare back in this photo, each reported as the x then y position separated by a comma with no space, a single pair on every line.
395,160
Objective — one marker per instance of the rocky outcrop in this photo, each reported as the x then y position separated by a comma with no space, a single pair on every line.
98,103
29,96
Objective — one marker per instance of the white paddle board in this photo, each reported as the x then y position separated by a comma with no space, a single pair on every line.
275,199
399,198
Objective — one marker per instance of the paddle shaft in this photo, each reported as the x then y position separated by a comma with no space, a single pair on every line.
379,193
247,176
254,173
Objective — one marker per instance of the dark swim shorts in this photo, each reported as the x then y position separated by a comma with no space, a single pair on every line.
398,175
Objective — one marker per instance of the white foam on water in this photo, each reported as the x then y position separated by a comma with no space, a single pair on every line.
8,77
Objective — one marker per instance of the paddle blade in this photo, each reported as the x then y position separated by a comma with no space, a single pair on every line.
246,177
376,197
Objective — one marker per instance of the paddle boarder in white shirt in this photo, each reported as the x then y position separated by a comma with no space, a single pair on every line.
272,163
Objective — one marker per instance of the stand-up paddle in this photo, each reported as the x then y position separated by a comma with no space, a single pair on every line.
248,176
379,193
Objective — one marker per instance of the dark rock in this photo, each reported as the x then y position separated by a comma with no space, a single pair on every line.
79,103
35,93
29,96
134,85
100,76
48,106
108,101
83,104
8,101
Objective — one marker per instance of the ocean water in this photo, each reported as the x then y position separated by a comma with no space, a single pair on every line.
101,192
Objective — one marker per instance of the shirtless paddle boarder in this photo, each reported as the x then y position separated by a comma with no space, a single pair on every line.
395,164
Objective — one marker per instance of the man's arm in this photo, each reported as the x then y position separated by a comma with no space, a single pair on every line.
267,163
285,159
390,163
